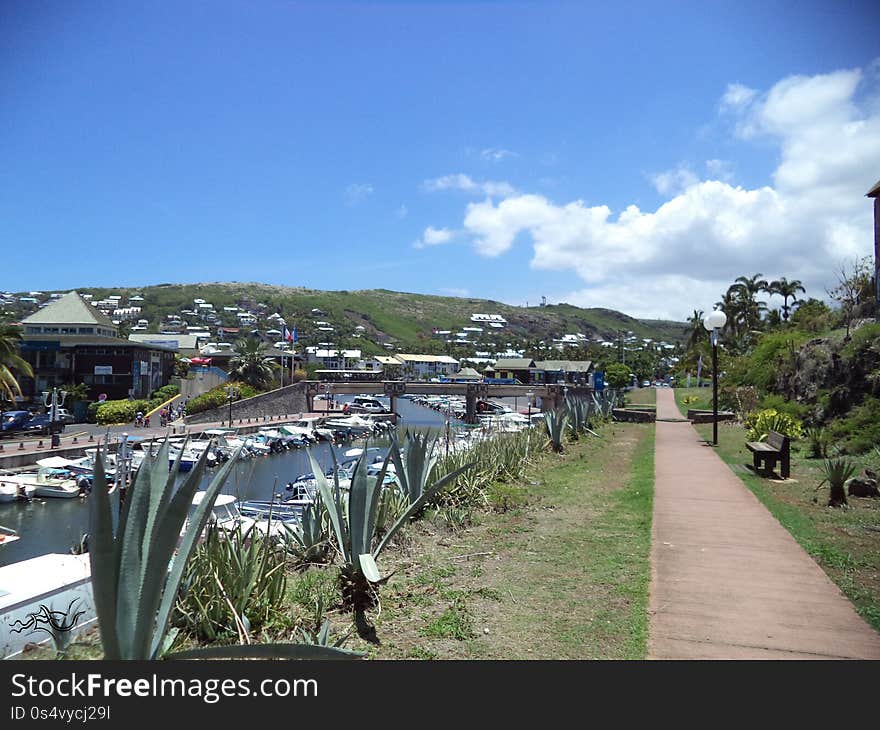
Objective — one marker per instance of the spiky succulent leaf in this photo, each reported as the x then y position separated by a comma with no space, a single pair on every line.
419,503
333,502
103,560
268,651
176,516
369,567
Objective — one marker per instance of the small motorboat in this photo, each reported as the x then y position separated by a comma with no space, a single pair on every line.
7,535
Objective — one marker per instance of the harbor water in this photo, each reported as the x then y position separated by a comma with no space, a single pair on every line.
55,525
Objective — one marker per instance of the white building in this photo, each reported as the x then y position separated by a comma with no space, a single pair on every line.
418,367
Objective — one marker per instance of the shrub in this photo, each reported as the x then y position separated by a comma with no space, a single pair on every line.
218,396
772,354
166,392
120,411
789,407
817,438
760,423
859,431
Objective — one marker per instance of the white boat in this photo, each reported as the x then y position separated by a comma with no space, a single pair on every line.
356,425
57,584
12,491
227,516
304,428
49,482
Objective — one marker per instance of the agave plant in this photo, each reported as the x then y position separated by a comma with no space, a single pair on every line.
322,638
413,466
138,567
817,438
234,581
354,523
308,541
556,421
578,410
837,471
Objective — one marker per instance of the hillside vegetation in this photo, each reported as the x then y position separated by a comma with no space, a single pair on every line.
389,316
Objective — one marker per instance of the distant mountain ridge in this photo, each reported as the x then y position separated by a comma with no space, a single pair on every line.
385,316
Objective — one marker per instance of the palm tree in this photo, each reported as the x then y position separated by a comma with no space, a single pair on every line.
787,290
731,305
11,363
696,331
749,287
251,365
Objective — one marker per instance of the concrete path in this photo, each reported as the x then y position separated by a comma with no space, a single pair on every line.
727,580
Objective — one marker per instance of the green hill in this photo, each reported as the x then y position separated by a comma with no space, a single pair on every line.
403,319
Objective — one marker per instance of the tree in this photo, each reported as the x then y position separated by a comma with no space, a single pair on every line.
787,290
854,291
750,308
696,332
251,365
11,363
617,375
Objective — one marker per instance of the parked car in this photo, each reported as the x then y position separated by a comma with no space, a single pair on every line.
65,416
364,405
42,425
646,383
12,422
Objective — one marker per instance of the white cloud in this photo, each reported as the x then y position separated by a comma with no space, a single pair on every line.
402,212
496,154
358,192
684,254
674,181
720,169
434,237
737,96
466,183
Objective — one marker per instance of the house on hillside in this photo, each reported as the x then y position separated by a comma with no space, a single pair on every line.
419,367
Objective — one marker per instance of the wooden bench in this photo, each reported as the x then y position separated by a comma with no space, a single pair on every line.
776,448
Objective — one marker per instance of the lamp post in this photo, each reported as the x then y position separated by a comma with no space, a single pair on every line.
529,396
52,402
714,321
232,392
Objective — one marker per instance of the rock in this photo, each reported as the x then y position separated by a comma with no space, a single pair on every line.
856,487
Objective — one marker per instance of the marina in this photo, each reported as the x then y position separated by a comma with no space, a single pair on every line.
46,524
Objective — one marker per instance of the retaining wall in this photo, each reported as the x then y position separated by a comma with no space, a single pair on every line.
288,400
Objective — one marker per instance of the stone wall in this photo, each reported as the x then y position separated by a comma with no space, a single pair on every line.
288,400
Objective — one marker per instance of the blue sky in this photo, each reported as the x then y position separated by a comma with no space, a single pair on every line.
486,149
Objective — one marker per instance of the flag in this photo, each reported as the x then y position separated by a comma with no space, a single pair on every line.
295,335
288,336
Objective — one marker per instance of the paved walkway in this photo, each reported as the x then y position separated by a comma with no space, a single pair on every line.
727,580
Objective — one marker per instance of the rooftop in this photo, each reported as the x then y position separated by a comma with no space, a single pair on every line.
67,310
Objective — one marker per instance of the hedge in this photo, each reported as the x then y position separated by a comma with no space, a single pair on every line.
218,396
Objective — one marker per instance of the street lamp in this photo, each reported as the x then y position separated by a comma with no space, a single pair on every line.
232,392
714,321
53,403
